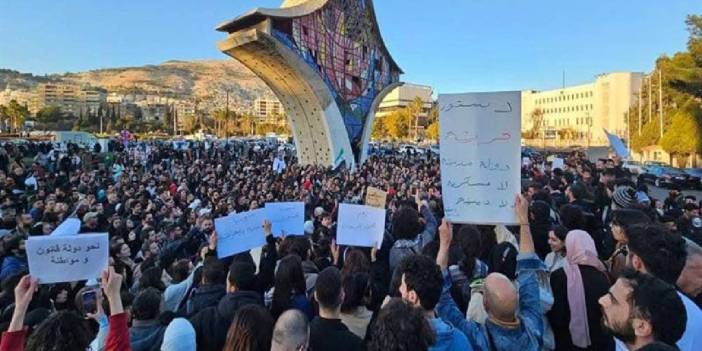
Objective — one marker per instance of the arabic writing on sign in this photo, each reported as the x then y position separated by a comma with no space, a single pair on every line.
360,225
50,256
466,138
480,156
240,232
287,218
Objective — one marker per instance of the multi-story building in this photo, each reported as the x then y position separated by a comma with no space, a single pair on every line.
266,107
582,113
70,98
24,98
402,96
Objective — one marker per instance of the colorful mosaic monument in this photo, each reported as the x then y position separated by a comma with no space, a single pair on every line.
328,65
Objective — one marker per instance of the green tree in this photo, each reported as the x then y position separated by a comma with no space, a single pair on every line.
16,114
537,123
683,137
414,110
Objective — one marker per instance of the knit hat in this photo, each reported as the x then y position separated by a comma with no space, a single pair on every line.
179,336
624,197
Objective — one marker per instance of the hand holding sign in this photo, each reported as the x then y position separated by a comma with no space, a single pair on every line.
59,259
286,217
360,226
240,232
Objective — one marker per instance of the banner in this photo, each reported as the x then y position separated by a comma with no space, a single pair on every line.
57,259
480,141
287,218
376,197
240,232
360,226
617,145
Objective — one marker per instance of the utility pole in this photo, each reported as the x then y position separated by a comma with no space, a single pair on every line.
640,106
650,101
226,116
660,100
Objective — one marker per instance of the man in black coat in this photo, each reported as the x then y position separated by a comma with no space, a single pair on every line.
211,324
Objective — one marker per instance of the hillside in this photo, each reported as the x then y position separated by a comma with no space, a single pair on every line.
205,80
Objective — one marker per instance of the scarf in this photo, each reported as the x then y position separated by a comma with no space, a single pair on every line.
580,251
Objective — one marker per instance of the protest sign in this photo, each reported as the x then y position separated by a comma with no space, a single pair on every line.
287,218
240,232
480,156
376,197
557,163
56,259
360,225
71,226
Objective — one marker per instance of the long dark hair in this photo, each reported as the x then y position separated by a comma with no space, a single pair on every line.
61,331
470,242
251,330
289,280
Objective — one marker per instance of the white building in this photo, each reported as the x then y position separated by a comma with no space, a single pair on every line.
581,113
402,96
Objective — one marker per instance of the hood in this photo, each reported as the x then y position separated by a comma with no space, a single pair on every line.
445,336
144,337
231,303
179,336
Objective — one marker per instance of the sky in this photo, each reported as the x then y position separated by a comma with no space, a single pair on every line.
451,45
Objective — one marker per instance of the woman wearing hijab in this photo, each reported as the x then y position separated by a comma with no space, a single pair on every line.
576,288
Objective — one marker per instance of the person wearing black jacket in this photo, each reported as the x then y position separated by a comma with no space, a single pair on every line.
327,332
211,324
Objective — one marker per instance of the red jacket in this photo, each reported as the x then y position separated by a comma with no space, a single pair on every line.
13,341
118,334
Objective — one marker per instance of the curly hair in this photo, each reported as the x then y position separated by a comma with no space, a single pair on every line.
401,327
62,331
422,275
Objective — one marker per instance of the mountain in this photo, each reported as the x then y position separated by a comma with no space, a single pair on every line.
205,80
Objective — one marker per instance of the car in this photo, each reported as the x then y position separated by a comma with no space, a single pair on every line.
695,172
664,176
410,149
634,167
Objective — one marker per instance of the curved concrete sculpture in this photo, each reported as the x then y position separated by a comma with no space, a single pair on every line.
328,65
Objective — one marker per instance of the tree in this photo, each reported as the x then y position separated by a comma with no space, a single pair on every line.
189,124
537,121
414,110
683,137
16,114
397,124
433,131
379,131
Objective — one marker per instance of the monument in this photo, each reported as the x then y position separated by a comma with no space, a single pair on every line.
327,63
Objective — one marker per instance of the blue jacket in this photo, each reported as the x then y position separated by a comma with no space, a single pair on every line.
12,265
403,248
527,337
448,338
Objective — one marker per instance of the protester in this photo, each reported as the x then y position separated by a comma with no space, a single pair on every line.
291,332
157,202
640,309
327,332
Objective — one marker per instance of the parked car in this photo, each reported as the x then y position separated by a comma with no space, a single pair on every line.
664,176
695,172
634,167
410,149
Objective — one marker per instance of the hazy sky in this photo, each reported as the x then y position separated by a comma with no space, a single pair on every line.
452,45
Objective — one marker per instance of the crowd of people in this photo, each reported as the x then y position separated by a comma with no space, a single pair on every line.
594,263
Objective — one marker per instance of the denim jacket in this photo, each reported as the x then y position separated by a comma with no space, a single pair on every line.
490,336
403,248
